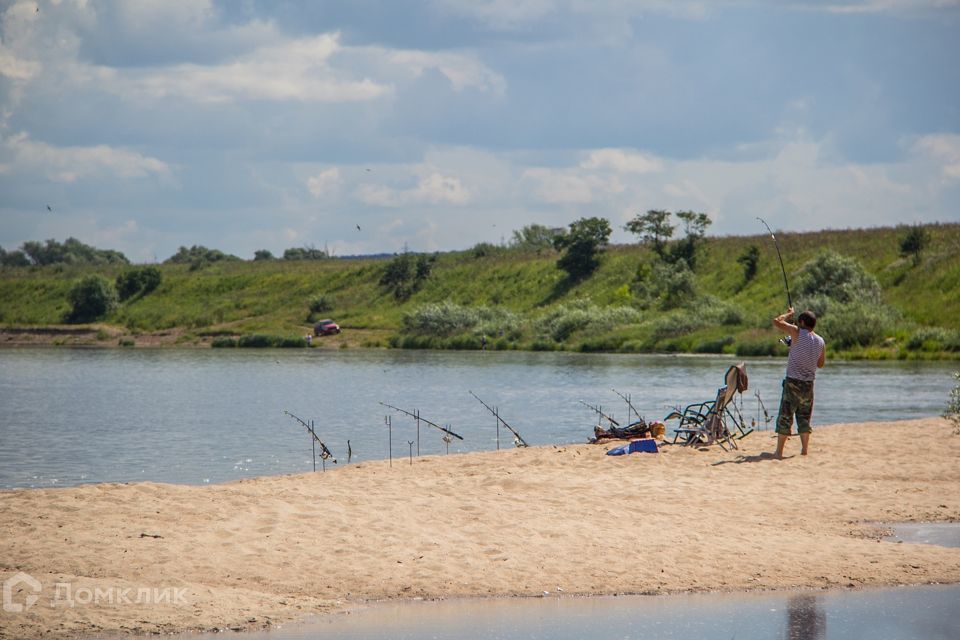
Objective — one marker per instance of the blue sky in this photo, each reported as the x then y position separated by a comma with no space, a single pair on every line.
434,125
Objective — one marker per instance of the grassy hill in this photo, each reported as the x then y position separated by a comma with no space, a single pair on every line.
512,299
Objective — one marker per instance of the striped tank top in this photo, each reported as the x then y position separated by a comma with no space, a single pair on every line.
804,355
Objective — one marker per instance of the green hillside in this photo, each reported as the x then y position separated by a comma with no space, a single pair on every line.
510,299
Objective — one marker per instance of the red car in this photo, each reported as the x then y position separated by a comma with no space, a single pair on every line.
326,328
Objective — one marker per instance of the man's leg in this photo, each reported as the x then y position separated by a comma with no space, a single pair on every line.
804,413
784,419
781,441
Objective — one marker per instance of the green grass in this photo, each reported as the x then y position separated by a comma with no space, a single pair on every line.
273,297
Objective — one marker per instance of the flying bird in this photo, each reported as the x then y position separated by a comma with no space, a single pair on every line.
49,208
358,228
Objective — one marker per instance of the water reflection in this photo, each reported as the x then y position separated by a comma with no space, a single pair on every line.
806,619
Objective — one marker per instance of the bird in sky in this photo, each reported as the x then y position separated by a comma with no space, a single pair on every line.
49,208
358,228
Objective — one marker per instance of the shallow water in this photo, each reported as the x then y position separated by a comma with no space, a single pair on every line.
943,534
70,416
915,613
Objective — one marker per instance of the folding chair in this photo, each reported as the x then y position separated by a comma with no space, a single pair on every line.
709,422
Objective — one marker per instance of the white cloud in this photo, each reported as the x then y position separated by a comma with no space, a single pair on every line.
15,68
622,161
296,70
885,6
559,187
325,182
433,187
944,149
463,70
68,164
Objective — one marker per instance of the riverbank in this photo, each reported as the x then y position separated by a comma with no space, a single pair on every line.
150,557
107,336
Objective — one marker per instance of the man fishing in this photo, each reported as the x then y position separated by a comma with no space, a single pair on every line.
807,354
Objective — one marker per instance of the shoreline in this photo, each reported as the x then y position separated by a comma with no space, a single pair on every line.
256,552
112,337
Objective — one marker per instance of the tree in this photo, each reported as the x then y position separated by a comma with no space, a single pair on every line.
92,297
534,237
72,251
750,259
262,254
197,255
695,226
305,253
914,243
14,258
138,281
405,274
653,227
582,245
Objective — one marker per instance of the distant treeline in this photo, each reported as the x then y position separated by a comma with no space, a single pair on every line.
74,252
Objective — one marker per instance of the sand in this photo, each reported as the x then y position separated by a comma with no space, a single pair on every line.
566,520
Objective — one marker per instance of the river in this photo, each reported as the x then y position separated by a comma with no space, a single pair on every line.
72,416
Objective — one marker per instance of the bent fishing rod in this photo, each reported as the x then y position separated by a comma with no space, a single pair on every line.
324,452
782,269
597,409
418,417
520,442
630,405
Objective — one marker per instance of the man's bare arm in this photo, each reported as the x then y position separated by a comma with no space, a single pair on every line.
780,322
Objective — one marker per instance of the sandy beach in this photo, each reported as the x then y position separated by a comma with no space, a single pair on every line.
566,520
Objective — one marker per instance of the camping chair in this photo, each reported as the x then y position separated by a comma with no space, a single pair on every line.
707,423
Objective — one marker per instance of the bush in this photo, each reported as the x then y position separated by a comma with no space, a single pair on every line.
485,250
223,342
138,281
713,346
561,322
321,304
952,412
256,341
749,259
448,318
855,325
91,298
837,278
669,284
749,348
914,242
934,339
676,323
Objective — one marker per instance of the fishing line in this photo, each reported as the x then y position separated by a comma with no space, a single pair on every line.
782,269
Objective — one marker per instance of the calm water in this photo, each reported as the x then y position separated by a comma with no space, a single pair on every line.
916,613
70,416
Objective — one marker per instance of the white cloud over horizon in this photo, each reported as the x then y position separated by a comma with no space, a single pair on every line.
151,125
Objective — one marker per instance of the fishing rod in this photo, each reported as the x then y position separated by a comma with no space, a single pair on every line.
324,451
629,404
597,410
782,269
517,438
419,417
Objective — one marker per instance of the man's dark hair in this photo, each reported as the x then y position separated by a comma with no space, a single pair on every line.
807,320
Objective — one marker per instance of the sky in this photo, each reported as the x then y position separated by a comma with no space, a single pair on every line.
371,126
